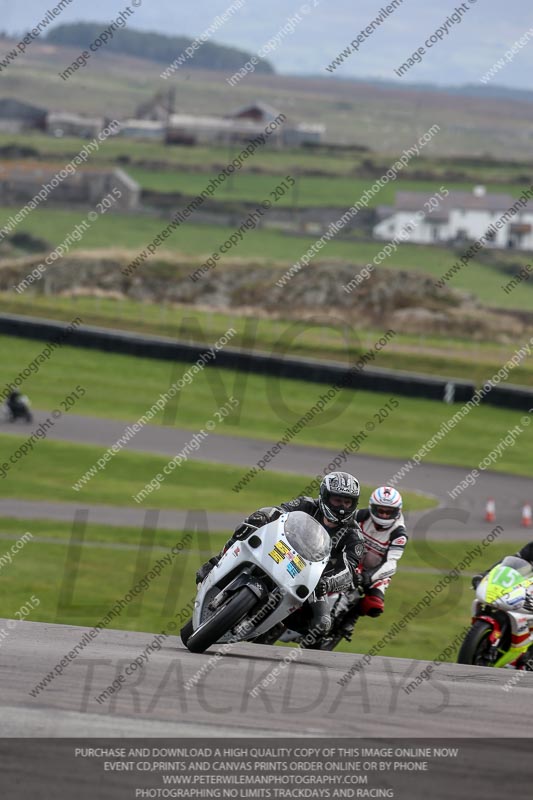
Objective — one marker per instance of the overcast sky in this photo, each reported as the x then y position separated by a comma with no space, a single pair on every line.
488,29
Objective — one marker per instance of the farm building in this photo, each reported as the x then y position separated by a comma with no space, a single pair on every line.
255,112
21,182
291,135
63,123
459,217
143,129
16,116
241,125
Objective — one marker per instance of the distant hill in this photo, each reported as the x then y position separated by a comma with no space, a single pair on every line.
155,46
324,29
464,89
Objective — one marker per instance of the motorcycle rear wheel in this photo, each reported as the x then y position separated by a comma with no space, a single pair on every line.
223,620
476,645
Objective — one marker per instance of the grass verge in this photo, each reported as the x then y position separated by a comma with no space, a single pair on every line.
321,338
125,387
52,467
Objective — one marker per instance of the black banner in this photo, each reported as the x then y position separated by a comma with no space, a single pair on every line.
415,769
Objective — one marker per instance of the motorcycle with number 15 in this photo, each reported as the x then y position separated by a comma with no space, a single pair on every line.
502,617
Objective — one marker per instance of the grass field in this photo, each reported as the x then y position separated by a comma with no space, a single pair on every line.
131,153
118,150
135,232
340,192
103,576
122,387
52,467
443,356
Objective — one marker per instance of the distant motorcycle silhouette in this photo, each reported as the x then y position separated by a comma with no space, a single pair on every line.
17,406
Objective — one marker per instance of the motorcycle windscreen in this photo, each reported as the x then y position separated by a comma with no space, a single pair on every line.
519,564
505,583
307,536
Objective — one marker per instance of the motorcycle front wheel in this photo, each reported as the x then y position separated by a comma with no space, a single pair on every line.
222,621
477,648
186,632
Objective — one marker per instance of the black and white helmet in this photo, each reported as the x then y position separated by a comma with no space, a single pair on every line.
340,484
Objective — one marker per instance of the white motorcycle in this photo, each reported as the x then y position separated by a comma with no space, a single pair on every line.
259,582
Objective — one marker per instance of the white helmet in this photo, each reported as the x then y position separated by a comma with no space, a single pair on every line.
385,506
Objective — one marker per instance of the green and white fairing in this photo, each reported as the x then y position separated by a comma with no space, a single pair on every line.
508,587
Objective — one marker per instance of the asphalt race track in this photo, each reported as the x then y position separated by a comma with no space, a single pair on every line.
454,519
306,698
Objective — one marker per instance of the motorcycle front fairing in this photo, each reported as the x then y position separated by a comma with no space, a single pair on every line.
503,595
289,553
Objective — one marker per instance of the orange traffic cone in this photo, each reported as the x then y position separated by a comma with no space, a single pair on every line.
490,510
526,515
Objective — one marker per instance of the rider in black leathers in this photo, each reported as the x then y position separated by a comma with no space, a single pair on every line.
335,510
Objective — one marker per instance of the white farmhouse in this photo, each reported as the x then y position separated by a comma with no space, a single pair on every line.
498,220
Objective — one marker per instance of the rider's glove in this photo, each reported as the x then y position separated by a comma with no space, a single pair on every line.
334,583
255,521
357,579
258,519
366,578
476,580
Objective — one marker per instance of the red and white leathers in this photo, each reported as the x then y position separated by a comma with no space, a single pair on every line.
383,549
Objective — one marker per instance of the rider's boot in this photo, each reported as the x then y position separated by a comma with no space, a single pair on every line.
320,619
206,568
525,661
272,636
348,623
